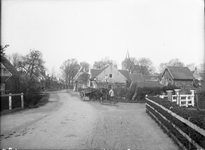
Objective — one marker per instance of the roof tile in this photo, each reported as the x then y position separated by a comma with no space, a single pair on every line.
180,73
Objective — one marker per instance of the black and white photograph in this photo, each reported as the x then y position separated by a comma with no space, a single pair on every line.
102,75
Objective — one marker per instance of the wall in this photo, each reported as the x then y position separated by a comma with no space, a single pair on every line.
12,85
166,78
117,76
184,85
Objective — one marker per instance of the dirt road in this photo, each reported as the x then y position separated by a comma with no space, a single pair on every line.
66,122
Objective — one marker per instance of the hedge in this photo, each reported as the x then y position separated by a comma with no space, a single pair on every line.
196,117
201,100
120,91
142,92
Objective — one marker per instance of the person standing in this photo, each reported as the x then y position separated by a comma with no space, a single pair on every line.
111,93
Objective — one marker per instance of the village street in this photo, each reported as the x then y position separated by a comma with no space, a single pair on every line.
66,122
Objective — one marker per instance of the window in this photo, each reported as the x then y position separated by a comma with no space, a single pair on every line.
110,75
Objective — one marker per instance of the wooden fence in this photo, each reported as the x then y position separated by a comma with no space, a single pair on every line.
184,100
181,99
168,125
11,101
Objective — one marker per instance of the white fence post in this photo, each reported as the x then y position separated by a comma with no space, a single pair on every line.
180,101
178,97
187,101
22,101
192,101
10,101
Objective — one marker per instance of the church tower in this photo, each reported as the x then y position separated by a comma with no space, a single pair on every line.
127,62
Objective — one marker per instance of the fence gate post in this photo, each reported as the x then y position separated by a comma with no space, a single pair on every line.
10,101
187,101
180,104
22,101
192,100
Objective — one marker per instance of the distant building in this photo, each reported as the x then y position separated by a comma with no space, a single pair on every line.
110,75
95,78
179,76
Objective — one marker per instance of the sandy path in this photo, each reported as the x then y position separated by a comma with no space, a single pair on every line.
69,123
62,128
127,126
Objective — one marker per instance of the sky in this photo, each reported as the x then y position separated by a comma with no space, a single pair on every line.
91,30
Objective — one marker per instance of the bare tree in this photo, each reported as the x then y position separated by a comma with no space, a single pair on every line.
85,65
173,62
32,66
129,64
69,69
145,66
103,63
15,59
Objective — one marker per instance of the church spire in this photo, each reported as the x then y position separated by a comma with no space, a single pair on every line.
127,55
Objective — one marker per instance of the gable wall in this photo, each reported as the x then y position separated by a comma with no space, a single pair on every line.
166,78
117,76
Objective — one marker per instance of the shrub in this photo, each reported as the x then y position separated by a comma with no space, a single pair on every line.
184,112
32,97
196,117
120,92
131,91
201,100
169,87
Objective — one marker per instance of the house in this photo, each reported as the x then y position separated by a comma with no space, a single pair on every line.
81,78
109,75
178,76
9,77
81,81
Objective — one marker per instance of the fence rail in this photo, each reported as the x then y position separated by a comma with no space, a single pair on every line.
184,100
185,121
11,100
180,99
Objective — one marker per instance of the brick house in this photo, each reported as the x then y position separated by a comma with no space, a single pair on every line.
10,77
179,76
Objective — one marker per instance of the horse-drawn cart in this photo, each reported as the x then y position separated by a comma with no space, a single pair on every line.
87,93
94,94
